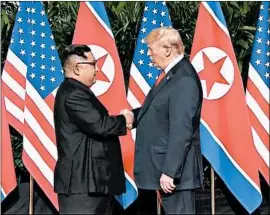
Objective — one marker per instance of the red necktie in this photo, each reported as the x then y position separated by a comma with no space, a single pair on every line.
162,74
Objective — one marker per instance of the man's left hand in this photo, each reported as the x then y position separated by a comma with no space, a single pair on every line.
166,183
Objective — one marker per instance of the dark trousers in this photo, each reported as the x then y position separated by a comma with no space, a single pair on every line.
85,204
147,202
178,202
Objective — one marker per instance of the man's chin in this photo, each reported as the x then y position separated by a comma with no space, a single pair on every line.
94,81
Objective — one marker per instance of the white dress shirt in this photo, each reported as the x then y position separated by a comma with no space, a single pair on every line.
173,63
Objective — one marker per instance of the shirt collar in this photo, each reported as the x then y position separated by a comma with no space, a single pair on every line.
173,63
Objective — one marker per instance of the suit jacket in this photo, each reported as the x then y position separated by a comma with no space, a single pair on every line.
89,154
168,132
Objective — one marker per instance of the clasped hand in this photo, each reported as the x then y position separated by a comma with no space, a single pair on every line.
129,117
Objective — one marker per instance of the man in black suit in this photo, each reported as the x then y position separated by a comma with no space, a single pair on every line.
89,169
168,155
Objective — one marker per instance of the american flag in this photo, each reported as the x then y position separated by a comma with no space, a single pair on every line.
143,74
31,75
257,94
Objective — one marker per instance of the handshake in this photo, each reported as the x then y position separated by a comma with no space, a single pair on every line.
129,117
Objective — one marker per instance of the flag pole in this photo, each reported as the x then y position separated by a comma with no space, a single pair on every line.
212,191
158,203
158,206
31,199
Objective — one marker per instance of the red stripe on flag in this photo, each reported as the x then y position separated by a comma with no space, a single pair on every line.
15,123
264,169
13,97
8,177
136,90
43,152
129,106
128,148
42,121
40,179
259,129
50,101
15,74
258,97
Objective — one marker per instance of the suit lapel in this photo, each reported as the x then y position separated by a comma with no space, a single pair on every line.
154,91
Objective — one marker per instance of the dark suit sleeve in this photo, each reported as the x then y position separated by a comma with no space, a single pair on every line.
183,104
136,113
89,119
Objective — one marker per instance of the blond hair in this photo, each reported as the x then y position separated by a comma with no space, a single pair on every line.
166,36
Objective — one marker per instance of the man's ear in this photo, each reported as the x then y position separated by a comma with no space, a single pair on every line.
76,70
168,51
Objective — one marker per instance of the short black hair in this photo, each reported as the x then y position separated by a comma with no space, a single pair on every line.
75,49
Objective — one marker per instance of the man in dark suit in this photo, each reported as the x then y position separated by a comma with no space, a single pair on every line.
167,155
89,169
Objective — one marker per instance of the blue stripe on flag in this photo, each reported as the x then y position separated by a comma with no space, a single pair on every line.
128,197
2,196
216,8
100,10
249,197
